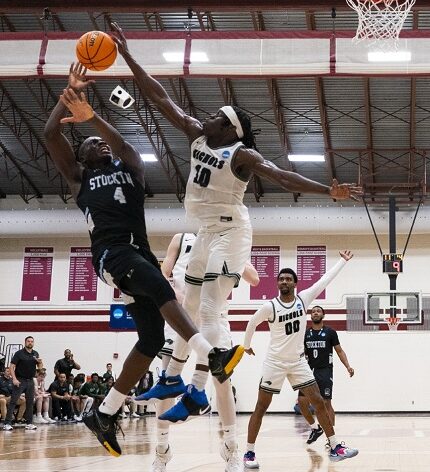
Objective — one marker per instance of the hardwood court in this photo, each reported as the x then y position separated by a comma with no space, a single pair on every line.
386,443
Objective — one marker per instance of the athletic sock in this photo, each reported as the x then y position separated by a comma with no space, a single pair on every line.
250,447
174,368
199,344
333,441
314,425
199,379
112,403
162,440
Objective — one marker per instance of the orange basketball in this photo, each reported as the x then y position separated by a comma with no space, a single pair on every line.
96,50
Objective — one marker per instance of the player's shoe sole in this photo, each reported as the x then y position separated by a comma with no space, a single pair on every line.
222,362
104,427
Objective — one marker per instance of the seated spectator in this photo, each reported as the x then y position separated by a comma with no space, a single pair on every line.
6,387
145,384
61,399
109,373
79,403
92,390
42,398
65,365
130,404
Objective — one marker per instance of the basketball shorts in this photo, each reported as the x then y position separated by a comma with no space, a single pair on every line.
221,252
299,374
324,379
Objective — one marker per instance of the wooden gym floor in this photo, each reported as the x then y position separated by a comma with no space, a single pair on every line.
386,443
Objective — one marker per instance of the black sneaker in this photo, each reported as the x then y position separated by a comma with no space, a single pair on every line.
104,427
315,434
223,361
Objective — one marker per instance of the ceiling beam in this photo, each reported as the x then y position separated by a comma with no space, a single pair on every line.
178,5
369,128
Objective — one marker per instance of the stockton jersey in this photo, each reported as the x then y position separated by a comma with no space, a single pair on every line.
214,193
319,347
112,201
178,272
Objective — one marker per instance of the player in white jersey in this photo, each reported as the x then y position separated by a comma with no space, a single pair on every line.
223,160
175,264
285,356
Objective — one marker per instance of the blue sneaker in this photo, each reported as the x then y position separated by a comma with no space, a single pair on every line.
341,452
192,403
166,387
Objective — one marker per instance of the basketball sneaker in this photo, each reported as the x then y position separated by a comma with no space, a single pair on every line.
341,452
104,427
192,403
166,387
315,434
161,460
223,361
232,459
250,461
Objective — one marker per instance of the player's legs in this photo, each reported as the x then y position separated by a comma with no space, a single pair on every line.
305,408
330,410
324,378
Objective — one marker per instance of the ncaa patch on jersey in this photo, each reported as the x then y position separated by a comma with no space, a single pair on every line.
299,306
225,154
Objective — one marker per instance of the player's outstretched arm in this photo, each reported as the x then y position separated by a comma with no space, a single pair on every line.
253,162
153,90
262,314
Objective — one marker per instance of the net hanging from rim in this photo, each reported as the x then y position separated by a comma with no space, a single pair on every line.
380,19
393,323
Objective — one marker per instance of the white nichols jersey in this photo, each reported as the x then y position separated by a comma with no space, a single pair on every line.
287,321
214,193
178,272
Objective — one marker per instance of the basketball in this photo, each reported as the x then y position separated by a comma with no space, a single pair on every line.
96,50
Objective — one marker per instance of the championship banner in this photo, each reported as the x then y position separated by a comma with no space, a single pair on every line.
37,274
265,260
82,278
311,266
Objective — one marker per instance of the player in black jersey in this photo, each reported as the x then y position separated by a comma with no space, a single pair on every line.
111,195
319,343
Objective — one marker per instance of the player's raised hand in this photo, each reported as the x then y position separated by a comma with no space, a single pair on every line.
77,78
347,255
119,38
345,191
77,104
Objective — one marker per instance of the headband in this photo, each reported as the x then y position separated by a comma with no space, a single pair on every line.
234,120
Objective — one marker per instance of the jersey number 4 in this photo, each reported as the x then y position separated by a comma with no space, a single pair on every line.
119,195
292,327
202,177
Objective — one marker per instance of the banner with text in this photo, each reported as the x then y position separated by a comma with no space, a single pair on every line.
265,259
311,266
37,274
82,278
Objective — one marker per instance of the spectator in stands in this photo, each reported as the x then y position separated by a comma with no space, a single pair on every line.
23,371
130,404
42,398
92,389
6,388
109,373
84,403
145,384
61,399
65,365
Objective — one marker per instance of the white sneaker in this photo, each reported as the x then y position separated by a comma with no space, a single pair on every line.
48,419
161,460
40,420
134,415
77,418
7,427
30,427
233,463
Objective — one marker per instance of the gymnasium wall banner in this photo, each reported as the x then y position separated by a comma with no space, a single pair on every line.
311,266
120,318
265,259
82,277
37,274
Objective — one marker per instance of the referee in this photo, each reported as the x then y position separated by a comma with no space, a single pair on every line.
23,370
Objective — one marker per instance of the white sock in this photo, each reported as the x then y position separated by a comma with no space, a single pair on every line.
199,343
199,379
250,447
112,403
314,425
162,440
174,368
230,436
333,441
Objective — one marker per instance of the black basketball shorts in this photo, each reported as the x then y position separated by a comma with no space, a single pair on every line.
324,378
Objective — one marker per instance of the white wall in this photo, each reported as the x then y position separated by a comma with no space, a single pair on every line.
390,367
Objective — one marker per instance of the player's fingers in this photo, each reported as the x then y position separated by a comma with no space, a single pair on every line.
67,120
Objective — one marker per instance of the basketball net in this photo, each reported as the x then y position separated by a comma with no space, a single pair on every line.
380,20
392,323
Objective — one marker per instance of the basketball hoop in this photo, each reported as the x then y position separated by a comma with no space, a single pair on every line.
392,323
380,19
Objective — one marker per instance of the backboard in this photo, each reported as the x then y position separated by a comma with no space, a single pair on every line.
393,304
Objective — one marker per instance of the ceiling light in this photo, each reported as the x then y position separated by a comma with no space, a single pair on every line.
391,56
196,56
148,158
306,157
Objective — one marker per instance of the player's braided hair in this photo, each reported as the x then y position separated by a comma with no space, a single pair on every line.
248,133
